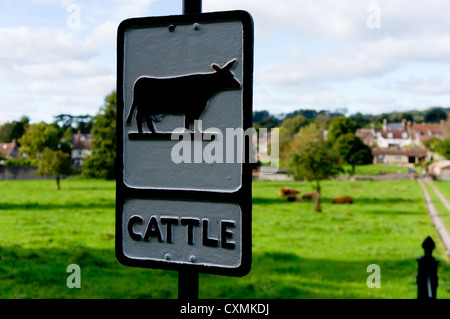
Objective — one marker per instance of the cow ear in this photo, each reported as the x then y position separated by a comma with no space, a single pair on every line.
215,67
229,65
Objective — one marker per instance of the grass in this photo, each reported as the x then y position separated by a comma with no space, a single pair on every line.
296,253
444,188
375,169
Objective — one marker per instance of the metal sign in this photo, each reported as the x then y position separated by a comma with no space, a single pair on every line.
184,118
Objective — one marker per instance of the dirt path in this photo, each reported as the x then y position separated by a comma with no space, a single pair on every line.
443,233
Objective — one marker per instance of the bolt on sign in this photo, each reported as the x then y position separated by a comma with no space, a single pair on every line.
184,142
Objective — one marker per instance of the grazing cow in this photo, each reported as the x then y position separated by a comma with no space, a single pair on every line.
293,198
286,191
290,194
186,94
342,200
312,195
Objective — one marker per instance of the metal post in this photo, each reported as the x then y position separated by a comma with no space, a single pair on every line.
192,6
427,279
188,280
187,285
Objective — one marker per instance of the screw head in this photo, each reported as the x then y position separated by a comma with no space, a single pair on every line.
196,26
167,256
193,259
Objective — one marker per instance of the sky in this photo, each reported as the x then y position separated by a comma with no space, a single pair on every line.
368,56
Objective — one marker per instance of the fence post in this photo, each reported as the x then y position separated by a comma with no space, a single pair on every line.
427,279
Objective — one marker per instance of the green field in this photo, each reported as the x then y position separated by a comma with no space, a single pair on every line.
296,253
375,169
444,188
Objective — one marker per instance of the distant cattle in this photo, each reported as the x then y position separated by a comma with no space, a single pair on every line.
342,200
290,194
286,191
312,195
293,198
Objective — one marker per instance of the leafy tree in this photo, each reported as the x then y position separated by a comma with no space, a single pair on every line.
312,159
54,163
38,137
339,126
353,151
288,128
82,123
430,143
102,162
13,130
435,114
442,147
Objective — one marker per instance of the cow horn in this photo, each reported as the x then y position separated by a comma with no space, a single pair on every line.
215,67
229,65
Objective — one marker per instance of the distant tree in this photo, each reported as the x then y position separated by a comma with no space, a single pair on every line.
5,132
82,123
442,147
339,126
54,163
309,114
353,151
430,143
13,130
259,115
435,114
312,158
288,128
38,137
361,120
102,162
323,121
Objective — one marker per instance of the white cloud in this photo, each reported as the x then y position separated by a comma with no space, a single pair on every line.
424,86
40,45
60,70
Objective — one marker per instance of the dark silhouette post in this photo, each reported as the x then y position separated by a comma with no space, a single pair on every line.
188,280
192,6
427,279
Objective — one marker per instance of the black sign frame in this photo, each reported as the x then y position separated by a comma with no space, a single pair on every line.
242,196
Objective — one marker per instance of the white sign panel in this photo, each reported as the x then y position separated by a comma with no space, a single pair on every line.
184,131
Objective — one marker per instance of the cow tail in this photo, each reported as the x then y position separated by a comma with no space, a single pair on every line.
130,114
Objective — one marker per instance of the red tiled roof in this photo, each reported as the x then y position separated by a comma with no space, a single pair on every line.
397,134
7,148
405,152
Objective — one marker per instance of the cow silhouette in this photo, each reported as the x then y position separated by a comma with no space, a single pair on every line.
186,94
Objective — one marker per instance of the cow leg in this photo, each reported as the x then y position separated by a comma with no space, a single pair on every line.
150,124
187,122
139,121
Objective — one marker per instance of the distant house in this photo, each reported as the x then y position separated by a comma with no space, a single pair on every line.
398,156
424,131
81,147
9,150
440,170
395,135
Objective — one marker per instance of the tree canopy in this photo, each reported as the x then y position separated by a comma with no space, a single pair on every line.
312,158
102,161
54,163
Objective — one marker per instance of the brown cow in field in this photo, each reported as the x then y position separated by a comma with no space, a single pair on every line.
290,194
312,195
342,200
293,198
286,191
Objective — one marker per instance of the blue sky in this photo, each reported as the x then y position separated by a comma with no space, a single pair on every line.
367,56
